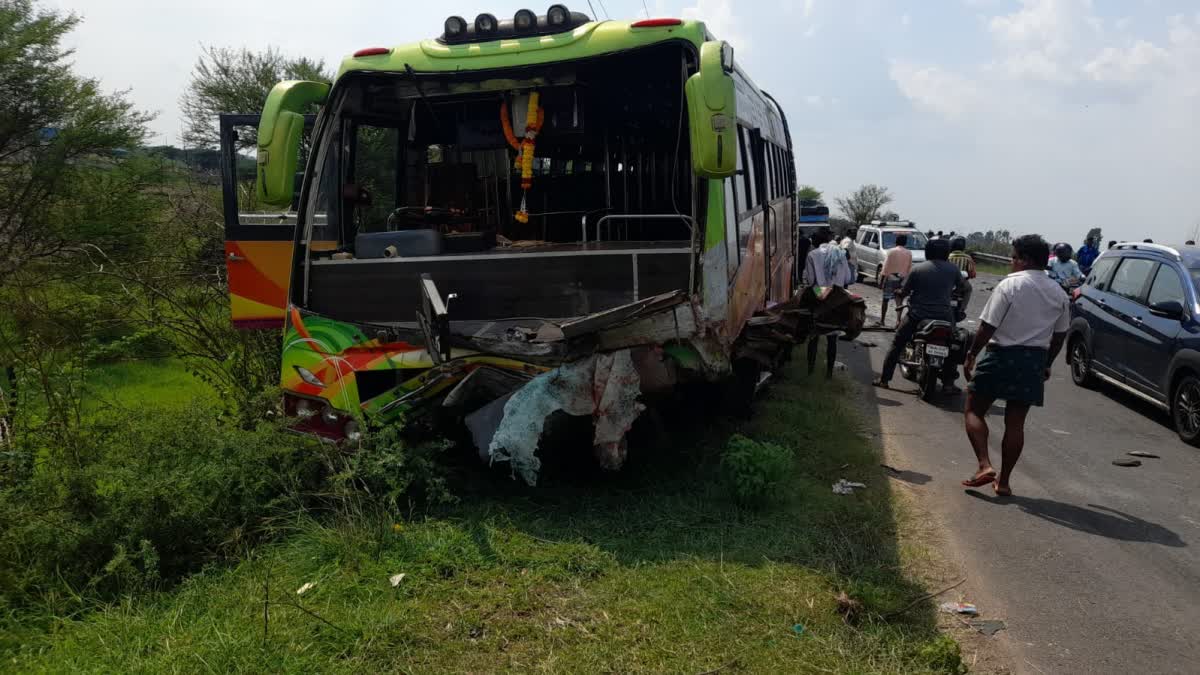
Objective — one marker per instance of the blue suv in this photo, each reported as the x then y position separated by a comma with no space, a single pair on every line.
1135,324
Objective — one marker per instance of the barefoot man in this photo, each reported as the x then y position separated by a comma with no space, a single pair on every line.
1021,332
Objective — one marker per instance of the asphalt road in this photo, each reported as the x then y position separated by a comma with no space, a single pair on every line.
1095,568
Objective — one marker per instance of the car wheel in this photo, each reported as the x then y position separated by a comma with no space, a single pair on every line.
1081,364
1185,409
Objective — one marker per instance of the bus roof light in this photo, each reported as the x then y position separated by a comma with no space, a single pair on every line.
486,24
456,27
372,51
558,15
524,20
656,23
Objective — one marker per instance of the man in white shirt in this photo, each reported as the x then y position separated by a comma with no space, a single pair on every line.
1022,327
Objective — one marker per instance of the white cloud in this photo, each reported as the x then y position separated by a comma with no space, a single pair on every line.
811,30
814,100
809,6
719,17
1128,65
947,93
906,21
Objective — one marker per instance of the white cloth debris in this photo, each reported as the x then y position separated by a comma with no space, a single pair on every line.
605,386
395,579
305,588
845,487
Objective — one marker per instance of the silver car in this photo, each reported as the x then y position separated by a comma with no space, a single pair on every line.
875,239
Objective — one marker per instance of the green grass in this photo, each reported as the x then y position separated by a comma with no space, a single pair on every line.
154,383
655,569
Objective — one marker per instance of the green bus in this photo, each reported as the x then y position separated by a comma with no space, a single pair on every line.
516,217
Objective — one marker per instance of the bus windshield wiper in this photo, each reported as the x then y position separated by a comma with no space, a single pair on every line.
412,74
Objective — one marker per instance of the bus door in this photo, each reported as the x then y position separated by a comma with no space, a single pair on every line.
258,241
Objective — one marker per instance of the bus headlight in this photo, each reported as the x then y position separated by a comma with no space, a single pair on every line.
330,416
305,408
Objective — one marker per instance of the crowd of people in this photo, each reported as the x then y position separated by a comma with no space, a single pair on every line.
1021,329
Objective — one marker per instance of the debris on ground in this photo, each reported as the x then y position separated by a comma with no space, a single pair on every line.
1127,463
1060,432
845,487
988,627
395,579
848,607
1140,453
798,629
840,367
305,588
958,608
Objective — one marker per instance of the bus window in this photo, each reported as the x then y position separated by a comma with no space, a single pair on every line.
752,176
732,254
741,179
375,174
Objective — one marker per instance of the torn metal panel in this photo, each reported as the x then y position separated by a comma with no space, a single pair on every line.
604,386
677,323
618,315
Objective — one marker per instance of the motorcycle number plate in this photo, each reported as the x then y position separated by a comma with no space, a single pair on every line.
937,350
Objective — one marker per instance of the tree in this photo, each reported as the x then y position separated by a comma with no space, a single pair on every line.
60,143
863,205
808,192
236,81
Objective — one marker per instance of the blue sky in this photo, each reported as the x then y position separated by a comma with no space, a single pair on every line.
1047,116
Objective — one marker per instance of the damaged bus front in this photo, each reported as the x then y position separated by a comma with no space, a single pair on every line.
522,217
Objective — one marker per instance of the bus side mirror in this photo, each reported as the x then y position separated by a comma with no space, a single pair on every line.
279,134
712,116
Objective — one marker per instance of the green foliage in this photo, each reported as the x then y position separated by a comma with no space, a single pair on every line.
943,655
388,468
59,142
649,570
755,471
864,204
808,192
128,500
237,81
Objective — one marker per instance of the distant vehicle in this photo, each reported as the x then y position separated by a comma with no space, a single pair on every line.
875,239
814,217
1134,325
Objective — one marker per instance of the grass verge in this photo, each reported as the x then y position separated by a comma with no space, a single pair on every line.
655,569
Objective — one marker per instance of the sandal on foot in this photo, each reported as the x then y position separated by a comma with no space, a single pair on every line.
980,479
1001,491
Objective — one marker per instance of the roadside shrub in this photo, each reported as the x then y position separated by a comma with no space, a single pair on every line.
754,471
943,655
134,501
387,468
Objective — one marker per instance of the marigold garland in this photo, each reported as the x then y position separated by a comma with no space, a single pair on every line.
534,118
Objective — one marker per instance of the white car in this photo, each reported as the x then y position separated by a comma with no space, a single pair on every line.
875,239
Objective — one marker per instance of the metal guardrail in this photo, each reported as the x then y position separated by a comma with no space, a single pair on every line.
988,257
